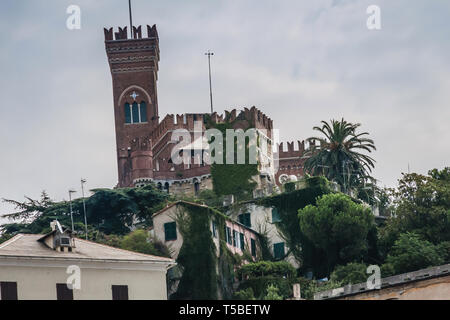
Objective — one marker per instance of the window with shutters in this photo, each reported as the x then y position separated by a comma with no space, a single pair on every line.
275,215
253,247
170,231
63,292
278,250
235,239
228,235
245,219
242,241
119,292
8,291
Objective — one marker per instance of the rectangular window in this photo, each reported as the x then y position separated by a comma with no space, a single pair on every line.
253,247
143,111
275,215
245,219
63,292
127,113
8,290
170,231
228,235
135,112
214,229
242,241
119,292
278,251
235,238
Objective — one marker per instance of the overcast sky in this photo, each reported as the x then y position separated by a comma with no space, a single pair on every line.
299,61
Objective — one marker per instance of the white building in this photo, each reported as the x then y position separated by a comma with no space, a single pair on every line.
263,220
59,266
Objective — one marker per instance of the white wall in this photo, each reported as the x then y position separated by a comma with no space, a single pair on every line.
39,282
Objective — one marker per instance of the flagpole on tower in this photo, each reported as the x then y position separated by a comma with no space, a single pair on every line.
131,19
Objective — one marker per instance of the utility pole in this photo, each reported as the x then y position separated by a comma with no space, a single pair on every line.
83,181
209,54
71,212
131,19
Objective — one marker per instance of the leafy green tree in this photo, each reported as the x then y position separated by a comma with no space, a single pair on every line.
421,204
351,273
108,211
288,204
338,226
139,241
273,293
339,156
246,294
410,253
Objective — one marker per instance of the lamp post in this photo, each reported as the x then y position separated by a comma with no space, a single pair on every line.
71,212
83,181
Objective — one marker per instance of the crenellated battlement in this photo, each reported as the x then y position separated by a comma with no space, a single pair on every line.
187,121
122,33
293,148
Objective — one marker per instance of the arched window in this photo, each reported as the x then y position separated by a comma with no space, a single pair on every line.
135,112
127,113
143,111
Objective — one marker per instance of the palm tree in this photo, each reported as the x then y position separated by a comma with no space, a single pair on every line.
338,156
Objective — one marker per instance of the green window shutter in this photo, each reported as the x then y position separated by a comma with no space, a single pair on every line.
242,242
275,215
245,219
228,234
253,247
143,110
127,113
170,230
278,250
135,112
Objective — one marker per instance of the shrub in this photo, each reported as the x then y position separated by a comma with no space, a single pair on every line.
272,293
246,294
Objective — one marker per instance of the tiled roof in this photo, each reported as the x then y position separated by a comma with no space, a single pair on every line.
27,245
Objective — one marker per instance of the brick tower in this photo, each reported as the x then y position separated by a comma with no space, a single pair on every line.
134,70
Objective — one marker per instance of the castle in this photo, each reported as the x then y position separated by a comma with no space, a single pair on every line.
144,143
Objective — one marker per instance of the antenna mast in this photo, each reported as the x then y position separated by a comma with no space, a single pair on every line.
209,54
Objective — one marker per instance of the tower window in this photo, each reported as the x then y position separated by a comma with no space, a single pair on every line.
135,113
143,111
127,113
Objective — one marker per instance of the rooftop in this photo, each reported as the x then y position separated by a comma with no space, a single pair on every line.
400,279
28,246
